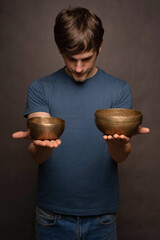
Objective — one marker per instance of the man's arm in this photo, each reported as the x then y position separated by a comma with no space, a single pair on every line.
39,150
119,146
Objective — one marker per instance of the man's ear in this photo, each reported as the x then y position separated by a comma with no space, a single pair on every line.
59,51
100,48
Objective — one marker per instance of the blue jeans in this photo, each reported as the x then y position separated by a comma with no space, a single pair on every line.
51,226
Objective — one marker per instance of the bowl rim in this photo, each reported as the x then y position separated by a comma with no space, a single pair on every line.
58,122
99,115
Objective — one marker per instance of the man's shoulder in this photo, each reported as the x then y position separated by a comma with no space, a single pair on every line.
52,75
105,76
50,78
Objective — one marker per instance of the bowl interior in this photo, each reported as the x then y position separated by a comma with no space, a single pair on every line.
117,113
45,121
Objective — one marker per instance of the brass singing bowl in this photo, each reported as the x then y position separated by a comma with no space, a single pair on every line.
118,121
45,128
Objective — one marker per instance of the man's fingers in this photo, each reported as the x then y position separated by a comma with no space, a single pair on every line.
107,137
47,143
124,138
58,141
143,130
116,138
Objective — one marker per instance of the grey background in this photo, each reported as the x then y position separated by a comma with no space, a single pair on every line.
130,52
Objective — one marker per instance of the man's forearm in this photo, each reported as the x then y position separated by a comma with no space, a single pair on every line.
119,151
39,153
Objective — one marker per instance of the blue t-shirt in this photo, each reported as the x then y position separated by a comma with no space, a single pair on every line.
80,178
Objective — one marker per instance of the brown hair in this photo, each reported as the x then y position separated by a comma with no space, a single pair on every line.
77,30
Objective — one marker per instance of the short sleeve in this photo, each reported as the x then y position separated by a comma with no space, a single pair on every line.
36,98
123,97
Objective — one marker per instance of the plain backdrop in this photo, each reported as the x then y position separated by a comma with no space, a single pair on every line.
131,51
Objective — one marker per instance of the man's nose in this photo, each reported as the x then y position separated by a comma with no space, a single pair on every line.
79,66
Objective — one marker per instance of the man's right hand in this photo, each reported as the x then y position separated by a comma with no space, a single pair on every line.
40,150
41,143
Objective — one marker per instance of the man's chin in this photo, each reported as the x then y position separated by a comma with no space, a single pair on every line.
79,77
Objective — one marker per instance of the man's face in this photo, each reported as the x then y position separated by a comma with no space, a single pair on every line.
81,66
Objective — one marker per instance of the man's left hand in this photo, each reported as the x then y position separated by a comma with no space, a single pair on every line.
119,145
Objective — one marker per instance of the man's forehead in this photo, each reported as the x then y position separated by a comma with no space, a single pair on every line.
83,55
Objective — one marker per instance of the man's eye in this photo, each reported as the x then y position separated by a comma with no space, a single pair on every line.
72,59
86,59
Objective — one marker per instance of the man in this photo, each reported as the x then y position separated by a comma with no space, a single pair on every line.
77,195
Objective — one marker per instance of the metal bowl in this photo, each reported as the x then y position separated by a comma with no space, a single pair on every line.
45,128
118,121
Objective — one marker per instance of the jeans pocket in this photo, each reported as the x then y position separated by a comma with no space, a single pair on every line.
107,219
45,218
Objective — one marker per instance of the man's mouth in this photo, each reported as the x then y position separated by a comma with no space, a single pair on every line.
78,74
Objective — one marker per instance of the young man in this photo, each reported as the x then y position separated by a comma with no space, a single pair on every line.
77,196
